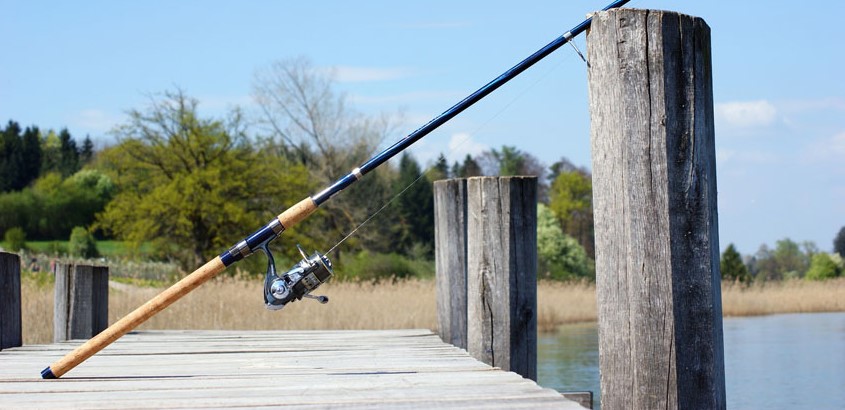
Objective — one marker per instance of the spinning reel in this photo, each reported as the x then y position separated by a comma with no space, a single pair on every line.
298,282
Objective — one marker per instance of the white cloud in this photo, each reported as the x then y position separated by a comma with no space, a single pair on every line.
746,114
461,144
349,74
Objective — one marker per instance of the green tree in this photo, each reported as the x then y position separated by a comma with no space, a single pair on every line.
413,209
822,267
193,185
11,158
559,256
30,155
68,154
86,153
312,124
571,200
82,243
786,261
468,168
839,242
15,238
732,267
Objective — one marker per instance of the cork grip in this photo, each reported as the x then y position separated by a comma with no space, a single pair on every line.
297,213
132,320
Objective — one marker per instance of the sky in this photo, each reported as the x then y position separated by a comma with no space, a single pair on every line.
777,81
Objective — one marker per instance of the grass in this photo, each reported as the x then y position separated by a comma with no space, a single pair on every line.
226,303
107,248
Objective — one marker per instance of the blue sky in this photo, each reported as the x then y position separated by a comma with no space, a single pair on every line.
777,69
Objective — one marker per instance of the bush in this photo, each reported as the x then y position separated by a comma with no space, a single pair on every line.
367,266
16,239
82,244
823,267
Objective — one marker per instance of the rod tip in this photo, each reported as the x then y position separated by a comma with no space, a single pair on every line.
48,373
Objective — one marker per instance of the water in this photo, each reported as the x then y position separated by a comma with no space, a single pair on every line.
773,362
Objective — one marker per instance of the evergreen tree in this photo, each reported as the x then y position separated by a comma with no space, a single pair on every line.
839,243
440,169
732,267
31,155
68,154
10,158
414,209
86,154
469,168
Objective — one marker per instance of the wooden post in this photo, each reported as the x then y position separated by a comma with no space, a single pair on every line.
654,193
82,301
450,255
502,272
10,300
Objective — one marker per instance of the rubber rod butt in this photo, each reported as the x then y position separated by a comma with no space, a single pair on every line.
48,373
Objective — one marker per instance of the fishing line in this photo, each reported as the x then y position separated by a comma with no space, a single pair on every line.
463,140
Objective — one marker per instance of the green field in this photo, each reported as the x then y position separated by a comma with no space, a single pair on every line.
107,248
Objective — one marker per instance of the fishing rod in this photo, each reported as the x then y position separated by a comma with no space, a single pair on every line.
313,270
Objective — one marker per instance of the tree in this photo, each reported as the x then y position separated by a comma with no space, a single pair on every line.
469,168
11,158
30,156
822,267
559,256
192,185
68,154
82,244
571,200
15,238
86,153
732,267
784,262
839,242
414,209
311,124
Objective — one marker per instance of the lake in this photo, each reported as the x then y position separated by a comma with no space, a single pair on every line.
773,362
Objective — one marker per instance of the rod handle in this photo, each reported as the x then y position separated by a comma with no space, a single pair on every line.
297,213
133,319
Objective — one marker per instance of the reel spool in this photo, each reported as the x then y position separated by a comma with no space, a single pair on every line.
298,282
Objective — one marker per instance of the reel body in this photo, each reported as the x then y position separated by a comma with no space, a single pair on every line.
298,282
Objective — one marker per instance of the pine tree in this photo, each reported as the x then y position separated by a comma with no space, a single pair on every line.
839,243
414,209
11,158
733,269
31,155
86,154
68,154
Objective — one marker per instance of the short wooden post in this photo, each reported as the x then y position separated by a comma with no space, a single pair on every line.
10,300
82,301
654,195
502,272
450,253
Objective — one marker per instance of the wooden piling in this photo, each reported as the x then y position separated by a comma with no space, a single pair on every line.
502,272
654,190
450,254
10,300
81,301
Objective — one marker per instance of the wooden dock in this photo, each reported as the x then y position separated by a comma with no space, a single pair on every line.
300,369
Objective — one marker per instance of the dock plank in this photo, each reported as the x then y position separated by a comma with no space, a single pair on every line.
297,369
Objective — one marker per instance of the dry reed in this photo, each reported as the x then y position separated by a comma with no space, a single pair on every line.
237,305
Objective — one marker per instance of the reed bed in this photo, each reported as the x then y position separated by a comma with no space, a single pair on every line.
236,304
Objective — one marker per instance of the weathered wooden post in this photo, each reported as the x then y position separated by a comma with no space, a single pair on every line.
82,301
450,253
10,300
654,192
502,272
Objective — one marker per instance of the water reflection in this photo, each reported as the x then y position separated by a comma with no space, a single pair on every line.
773,362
